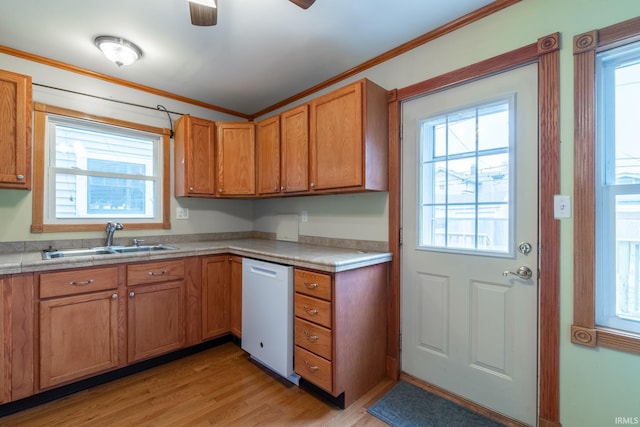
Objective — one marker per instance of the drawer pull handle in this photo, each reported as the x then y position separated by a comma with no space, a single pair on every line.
310,285
157,273
310,311
310,366
81,282
310,338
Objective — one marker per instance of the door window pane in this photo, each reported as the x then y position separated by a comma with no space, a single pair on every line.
465,183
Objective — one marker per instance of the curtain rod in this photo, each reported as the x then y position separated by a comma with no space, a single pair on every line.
157,108
106,99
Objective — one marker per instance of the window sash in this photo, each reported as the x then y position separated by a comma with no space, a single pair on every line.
94,137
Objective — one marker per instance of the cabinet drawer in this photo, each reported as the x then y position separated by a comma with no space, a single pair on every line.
314,368
313,309
152,272
313,338
314,284
78,281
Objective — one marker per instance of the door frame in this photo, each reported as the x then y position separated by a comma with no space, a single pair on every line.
546,53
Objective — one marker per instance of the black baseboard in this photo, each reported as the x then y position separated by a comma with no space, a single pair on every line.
320,393
62,391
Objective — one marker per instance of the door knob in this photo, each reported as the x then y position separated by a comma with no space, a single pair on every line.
523,272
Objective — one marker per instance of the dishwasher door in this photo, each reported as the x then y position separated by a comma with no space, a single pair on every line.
267,315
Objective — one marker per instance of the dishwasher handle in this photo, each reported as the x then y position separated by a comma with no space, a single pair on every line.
263,271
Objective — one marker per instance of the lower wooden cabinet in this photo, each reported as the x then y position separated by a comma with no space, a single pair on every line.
63,326
221,295
16,337
215,296
78,337
78,312
155,309
235,263
340,329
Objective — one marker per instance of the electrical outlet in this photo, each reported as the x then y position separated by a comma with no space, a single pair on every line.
304,216
182,213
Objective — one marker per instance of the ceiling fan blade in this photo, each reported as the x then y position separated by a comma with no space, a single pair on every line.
305,4
203,16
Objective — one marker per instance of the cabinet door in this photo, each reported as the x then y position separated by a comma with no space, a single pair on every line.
295,149
78,337
194,157
337,139
236,156
268,153
215,296
236,295
155,316
15,132
5,347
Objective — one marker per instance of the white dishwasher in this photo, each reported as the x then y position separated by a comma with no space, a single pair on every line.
267,315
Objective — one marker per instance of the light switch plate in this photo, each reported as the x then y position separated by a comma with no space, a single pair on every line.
561,206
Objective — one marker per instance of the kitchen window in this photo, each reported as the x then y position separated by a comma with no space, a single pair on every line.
96,170
607,187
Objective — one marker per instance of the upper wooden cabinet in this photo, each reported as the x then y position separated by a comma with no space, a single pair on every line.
15,132
235,159
268,154
349,139
283,152
294,141
337,143
194,157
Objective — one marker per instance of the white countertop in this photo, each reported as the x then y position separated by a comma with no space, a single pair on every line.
290,253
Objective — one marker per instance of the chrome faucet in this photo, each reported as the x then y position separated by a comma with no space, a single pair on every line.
111,229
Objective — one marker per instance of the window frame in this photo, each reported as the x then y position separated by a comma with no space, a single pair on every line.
584,330
39,171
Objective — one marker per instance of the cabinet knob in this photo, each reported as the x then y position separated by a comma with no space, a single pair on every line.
132,294
276,188
114,296
219,190
20,177
282,188
191,189
313,185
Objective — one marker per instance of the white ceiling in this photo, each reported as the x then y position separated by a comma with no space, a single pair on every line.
260,52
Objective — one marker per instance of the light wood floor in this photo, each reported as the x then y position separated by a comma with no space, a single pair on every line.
219,386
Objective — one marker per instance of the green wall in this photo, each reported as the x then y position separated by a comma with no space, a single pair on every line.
596,385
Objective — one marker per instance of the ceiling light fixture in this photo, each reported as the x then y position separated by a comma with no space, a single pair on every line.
208,3
118,50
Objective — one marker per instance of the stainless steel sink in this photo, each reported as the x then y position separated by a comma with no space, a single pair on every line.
102,250
141,248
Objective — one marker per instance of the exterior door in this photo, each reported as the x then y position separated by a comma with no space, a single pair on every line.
470,228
